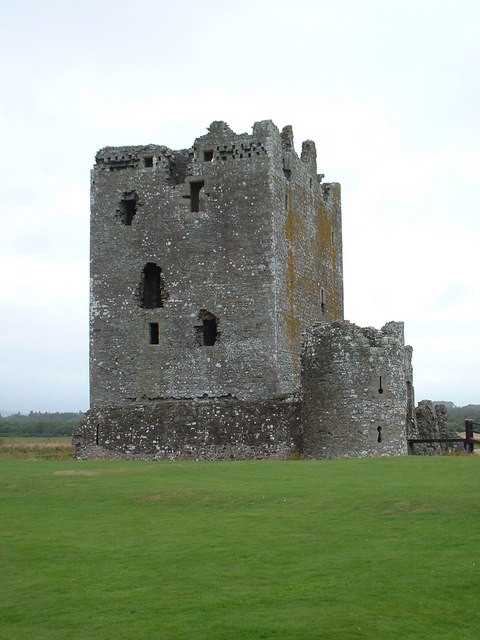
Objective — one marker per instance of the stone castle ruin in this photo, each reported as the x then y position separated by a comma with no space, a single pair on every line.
216,326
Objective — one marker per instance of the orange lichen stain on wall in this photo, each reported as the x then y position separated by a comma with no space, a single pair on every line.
337,300
292,223
326,248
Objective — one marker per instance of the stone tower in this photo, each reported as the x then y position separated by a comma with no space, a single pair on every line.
207,266
357,391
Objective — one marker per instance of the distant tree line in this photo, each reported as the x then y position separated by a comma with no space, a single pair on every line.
38,423
458,415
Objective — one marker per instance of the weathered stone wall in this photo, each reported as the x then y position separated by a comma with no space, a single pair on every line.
215,260
222,429
431,423
241,233
308,245
207,265
355,391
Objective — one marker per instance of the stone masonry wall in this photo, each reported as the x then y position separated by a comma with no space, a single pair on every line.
203,218
355,391
307,229
222,429
430,423
238,232
207,266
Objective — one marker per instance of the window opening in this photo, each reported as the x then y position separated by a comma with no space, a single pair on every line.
208,155
207,329
128,207
322,299
379,437
195,188
152,285
148,161
209,332
153,332
380,388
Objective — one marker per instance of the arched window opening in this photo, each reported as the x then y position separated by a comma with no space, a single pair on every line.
207,329
152,287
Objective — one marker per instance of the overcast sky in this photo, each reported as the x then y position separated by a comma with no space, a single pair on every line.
387,89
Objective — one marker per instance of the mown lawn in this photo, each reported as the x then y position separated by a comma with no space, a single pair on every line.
377,548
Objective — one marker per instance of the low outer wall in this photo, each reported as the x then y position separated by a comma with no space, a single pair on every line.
355,391
214,429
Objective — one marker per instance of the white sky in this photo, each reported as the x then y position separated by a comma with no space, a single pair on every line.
387,89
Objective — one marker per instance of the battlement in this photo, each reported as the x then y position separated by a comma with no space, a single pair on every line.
220,145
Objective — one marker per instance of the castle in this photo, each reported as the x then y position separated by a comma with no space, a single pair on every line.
216,327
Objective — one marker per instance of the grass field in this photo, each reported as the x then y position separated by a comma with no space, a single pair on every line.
373,548
36,448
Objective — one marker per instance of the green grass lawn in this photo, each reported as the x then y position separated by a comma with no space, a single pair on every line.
373,548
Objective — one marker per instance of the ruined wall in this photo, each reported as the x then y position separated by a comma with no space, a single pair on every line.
431,423
223,429
355,391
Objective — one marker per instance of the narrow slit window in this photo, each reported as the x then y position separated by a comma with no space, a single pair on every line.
322,299
152,286
153,332
195,188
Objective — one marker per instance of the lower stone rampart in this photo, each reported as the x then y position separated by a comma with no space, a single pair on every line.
197,429
356,400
